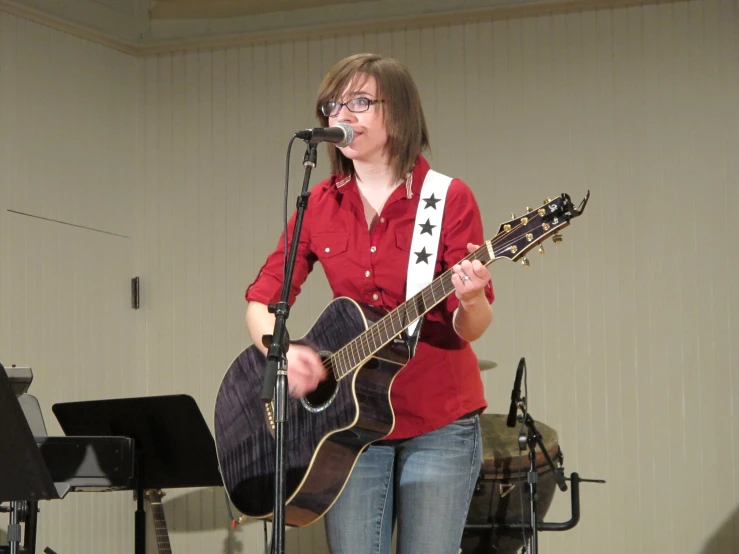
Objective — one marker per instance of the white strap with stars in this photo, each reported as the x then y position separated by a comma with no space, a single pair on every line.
426,236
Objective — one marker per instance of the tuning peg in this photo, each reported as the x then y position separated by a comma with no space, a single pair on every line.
557,239
525,262
547,200
513,216
541,250
528,209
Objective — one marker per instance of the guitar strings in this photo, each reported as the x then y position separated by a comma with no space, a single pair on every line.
363,340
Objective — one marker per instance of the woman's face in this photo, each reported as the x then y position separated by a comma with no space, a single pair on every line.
370,136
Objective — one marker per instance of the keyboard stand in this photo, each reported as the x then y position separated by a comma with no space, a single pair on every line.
24,476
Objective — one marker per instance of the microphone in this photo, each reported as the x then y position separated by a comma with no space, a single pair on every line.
341,135
515,394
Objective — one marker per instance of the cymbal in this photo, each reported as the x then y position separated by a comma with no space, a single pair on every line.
486,364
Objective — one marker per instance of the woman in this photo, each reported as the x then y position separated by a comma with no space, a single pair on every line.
359,224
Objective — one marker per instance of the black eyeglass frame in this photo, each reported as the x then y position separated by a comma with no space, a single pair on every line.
338,105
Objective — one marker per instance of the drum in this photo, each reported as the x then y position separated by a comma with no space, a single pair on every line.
501,494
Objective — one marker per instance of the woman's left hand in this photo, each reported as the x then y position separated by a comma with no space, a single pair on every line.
470,278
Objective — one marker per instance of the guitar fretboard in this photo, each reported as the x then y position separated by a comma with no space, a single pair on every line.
160,528
358,350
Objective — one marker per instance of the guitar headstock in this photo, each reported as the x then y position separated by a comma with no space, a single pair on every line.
155,495
520,234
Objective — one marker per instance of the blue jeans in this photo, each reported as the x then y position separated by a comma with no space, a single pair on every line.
422,485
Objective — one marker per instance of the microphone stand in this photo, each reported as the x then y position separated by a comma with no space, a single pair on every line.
275,378
532,438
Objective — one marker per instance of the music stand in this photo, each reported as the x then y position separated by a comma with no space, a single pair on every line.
174,447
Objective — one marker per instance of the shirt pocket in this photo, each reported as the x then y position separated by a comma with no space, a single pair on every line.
332,250
403,243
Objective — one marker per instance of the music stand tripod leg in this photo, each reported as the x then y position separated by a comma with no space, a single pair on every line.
140,515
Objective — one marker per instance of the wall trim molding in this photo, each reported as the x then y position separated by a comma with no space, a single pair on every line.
68,27
146,48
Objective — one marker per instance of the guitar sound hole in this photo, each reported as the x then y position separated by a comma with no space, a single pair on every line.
320,398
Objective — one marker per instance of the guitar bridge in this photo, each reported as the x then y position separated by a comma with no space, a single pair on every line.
269,416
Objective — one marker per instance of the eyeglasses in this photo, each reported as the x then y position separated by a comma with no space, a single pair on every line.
355,105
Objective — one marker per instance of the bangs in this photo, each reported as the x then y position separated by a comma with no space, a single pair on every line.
356,81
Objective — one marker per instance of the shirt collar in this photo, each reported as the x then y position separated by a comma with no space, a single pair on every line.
419,170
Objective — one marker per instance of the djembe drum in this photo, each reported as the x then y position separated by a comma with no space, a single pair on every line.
501,494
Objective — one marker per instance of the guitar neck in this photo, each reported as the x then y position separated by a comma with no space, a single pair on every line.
160,527
394,323
515,237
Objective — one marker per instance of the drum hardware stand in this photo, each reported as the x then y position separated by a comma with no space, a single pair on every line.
531,438
575,481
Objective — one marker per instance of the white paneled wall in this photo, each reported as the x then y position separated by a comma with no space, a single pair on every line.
626,327
68,172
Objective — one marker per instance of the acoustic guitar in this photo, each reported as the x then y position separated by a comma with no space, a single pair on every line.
363,350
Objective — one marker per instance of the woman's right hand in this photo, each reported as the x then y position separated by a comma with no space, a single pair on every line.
304,367
304,370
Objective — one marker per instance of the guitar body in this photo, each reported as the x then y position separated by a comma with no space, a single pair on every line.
325,431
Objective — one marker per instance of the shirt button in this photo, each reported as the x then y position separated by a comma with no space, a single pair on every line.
373,249
382,220
375,297
328,249
366,273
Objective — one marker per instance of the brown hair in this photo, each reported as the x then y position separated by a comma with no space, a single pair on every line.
404,120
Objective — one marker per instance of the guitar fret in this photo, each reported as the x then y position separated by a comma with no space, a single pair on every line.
362,343
393,331
410,311
385,331
344,356
353,353
348,357
376,340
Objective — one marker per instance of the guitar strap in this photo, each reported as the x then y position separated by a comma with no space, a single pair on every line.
426,242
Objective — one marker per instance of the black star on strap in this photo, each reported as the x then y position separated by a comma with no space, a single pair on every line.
431,201
427,227
422,256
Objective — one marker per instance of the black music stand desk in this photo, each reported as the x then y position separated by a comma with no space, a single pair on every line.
174,447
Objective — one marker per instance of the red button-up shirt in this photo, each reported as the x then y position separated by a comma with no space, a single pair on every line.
442,381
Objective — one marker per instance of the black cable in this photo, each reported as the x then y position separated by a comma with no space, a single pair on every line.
284,202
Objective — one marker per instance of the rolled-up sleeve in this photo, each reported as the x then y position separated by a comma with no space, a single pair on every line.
267,286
